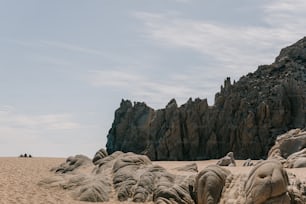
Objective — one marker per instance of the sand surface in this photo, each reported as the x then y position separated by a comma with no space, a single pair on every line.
19,178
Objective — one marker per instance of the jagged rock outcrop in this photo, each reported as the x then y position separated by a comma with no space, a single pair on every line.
246,117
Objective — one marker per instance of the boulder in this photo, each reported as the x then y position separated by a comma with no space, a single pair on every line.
296,160
288,143
126,173
73,163
135,177
177,192
290,149
93,189
227,160
100,154
209,184
267,183
248,162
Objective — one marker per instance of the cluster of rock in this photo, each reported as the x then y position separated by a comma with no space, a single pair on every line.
229,160
246,117
267,182
135,178
290,149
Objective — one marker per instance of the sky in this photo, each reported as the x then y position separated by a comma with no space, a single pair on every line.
65,65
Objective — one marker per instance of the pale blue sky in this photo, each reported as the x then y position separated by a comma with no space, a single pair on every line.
66,65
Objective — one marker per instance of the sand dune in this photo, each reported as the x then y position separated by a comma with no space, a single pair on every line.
19,178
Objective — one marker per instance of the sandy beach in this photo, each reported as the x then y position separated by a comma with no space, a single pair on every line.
19,178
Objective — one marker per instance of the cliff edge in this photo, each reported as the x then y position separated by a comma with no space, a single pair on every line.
246,117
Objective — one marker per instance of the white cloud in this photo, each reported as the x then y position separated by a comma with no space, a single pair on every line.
23,132
71,47
153,91
292,6
238,49
232,50
183,1
113,78
288,16
11,119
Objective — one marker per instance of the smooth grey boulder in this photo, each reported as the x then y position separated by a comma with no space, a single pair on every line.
267,183
209,184
73,163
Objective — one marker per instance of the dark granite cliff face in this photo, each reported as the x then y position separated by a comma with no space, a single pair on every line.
245,119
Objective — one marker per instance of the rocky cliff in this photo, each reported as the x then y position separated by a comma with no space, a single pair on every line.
246,117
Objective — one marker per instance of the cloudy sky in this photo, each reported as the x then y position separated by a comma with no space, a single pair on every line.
65,65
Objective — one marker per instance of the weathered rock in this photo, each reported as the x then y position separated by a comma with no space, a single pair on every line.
288,143
174,192
94,189
126,171
53,181
131,177
71,176
134,177
297,189
296,160
267,183
248,162
102,153
245,118
209,184
92,193
227,160
107,162
290,149
73,163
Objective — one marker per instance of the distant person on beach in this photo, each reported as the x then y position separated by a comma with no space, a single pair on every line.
25,155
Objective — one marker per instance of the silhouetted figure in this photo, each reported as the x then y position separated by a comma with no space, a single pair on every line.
25,155
21,155
30,156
